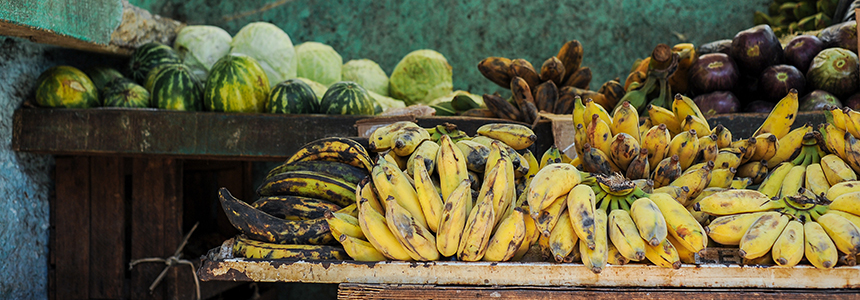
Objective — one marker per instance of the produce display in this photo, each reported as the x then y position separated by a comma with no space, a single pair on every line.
790,17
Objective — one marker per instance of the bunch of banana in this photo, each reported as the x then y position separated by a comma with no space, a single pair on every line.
299,202
841,133
551,89
788,228
664,72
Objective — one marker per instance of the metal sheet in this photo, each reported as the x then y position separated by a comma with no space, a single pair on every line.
528,274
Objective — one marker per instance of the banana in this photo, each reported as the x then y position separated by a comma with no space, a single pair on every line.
477,233
696,180
644,127
694,123
550,183
334,149
816,181
788,249
294,207
707,149
663,255
666,171
766,147
333,168
754,169
649,221
596,259
639,167
834,138
428,197
680,193
309,184
771,185
394,159
358,249
391,182
380,139
819,249
685,145
761,235
660,115
551,156
614,257
581,207
341,223
729,229
728,158
680,223
523,68
517,136
623,150
722,178
533,164
789,145
578,114
851,217
724,136
451,166
562,239
375,228
249,248
599,135
847,202
844,233
836,170
852,121
731,202
407,139
502,108
793,181
683,106
835,116
782,116
656,141
625,119
592,108
261,226
476,155
448,129
495,189
741,182
453,219
625,235
508,238
596,161
532,235
427,151
548,218
686,256
512,154
748,147
497,70
418,241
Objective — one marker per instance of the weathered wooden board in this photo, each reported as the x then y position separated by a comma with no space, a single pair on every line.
107,228
71,238
529,274
411,291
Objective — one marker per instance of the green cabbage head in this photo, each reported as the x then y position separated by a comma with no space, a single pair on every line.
271,47
200,46
368,74
421,76
319,62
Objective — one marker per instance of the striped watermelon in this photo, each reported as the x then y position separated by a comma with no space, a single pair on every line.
292,96
346,98
66,87
101,75
174,87
122,92
149,56
236,83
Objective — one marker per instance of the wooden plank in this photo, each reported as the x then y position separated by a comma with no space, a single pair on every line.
395,291
72,228
107,228
533,274
179,283
148,223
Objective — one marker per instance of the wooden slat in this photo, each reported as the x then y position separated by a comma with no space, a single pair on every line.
72,228
148,223
179,284
107,228
393,291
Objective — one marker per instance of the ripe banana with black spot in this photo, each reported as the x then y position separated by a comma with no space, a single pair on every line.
625,119
391,182
728,158
656,141
722,178
428,197
836,170
550,183
407,139
819,249
309,184
508,237
680,223
685,145
380,139
418,241
782,116
789,145
731,202
562,239
724,136
788,249
754,169
844,233
816,181
515,135
427,151
249,248
664,254
660,115
477,232
625,235
729,229
581,208
649,221
596,259
453,219
338,149
451,166
375,228
623,149
666,171
762,234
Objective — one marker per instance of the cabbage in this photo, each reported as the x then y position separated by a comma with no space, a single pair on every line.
368,74
318,88
421,76
271,47
201,46
450,96
318,62
386,102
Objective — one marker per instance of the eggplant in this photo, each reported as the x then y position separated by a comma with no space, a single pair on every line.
842,35
853,102
755,49
800,51
777,80
718,102
834,70
713,72
817,100
720,46
759,106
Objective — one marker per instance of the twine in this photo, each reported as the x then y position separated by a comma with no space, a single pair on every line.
170,262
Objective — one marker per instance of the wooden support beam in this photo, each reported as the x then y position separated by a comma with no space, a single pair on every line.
71,214
107,228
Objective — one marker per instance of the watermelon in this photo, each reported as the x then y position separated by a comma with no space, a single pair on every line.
66,87
346,98
101,75
236,83
174,87
122,92
149,56
292,96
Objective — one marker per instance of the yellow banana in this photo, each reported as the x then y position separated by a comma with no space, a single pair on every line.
722,178
707,149
534,166
844,233
365,190
816,180
551,182
395,159
451,166
731,202
696,180
680,223
596,161
391,182
782,116
625,235
772,184
427,151
246,247
334,149
656,141
754,169
592,109
508,238
649,220
694,123
728,158
666,171
309,184
562,239
836,170
788,249
761,235
494,189
660,115
428,197
407,139
578,113
851,217
380,139
581,207
766,147
680,193
685,145
847,202
359,249
663,255
375,228
683,106
551,156
477,233
834,138
837,116
741,182
747,146
515,135
728,230
852,121
625,119
532,235
418,241
614,257
724,136
788,145
623,150
599,135
476,155
341,223
639,167
453,219
596,259
644,127
819,249
548,218
793,181
685,255
842,188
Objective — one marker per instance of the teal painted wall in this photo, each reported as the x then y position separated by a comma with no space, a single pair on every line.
613,32
91,20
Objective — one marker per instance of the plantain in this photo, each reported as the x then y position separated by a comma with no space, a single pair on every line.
309,184
524,69
502,108
294,207
570,56
566,101
545,96
248,248
346,172
334,149
497,70
552,70
580,78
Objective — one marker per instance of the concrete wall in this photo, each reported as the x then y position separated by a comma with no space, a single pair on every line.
613,32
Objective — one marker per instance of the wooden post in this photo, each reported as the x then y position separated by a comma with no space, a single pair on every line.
107,227
71,214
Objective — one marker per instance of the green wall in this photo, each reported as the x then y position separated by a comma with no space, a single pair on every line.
613,32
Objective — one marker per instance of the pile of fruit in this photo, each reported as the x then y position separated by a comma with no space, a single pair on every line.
791,17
